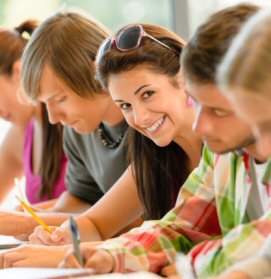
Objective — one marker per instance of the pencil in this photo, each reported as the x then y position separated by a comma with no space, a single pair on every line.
35,216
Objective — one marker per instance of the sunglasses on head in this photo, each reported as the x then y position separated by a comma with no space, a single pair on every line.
128,39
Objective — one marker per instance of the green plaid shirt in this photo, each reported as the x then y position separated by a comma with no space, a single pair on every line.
209,222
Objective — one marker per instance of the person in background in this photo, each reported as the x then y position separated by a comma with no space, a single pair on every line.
245,78
95,131
162,148
24,150
211,208
246,82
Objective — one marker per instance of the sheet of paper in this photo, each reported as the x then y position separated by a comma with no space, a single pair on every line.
39,273
136,275
7,242
62,273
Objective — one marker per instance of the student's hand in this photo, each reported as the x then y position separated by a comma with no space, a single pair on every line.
169,270
58,237
97,259
33,256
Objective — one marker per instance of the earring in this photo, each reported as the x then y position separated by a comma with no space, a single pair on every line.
189,102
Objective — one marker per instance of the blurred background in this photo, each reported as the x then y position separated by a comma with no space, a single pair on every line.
182,16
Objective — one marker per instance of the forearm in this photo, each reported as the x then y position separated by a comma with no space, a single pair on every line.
20,223
68,203
46,205
27,223
88,231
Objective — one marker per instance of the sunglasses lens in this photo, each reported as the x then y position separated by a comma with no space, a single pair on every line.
128,38
103,49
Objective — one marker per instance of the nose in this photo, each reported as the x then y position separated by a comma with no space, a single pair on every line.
263,142
53,115
203,123
141,115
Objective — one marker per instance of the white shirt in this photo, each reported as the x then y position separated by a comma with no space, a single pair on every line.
257,197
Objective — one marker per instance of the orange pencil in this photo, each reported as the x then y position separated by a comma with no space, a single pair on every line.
36,217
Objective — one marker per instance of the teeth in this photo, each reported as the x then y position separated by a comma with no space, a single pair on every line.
155,125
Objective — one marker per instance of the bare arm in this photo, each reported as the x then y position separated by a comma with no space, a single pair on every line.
46,205
117,209
11,159
40,206
19,223
69,203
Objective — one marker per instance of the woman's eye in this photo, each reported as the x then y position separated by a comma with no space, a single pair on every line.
125,106
221,113
148,94
60,100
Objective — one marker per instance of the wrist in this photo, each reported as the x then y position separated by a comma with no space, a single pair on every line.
28,224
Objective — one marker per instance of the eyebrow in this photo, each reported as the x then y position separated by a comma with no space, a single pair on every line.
54,96
209,107
135,93
263,126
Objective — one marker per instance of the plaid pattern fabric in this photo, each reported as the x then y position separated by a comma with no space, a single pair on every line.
209,222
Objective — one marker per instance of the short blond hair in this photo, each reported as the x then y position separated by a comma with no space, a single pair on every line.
68,42
245,68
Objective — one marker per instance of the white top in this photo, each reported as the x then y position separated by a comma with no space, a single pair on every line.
257,197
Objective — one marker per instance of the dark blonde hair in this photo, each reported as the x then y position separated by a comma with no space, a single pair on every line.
246,65
159,171
205,50
12,44
68,42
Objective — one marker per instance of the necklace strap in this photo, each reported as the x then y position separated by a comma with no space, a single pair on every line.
107,140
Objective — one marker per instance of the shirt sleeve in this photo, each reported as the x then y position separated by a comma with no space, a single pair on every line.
79,181
155,244
258,266
213,257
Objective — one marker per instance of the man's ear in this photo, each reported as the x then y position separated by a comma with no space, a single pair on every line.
16,69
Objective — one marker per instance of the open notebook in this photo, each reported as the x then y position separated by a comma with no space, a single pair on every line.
63,273
7,242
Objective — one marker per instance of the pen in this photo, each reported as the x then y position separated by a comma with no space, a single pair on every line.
36,217
75,240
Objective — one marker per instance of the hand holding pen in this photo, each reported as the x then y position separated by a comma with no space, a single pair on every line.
94,259
60,236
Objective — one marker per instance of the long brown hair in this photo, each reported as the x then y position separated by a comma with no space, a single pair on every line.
159,172
12,44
